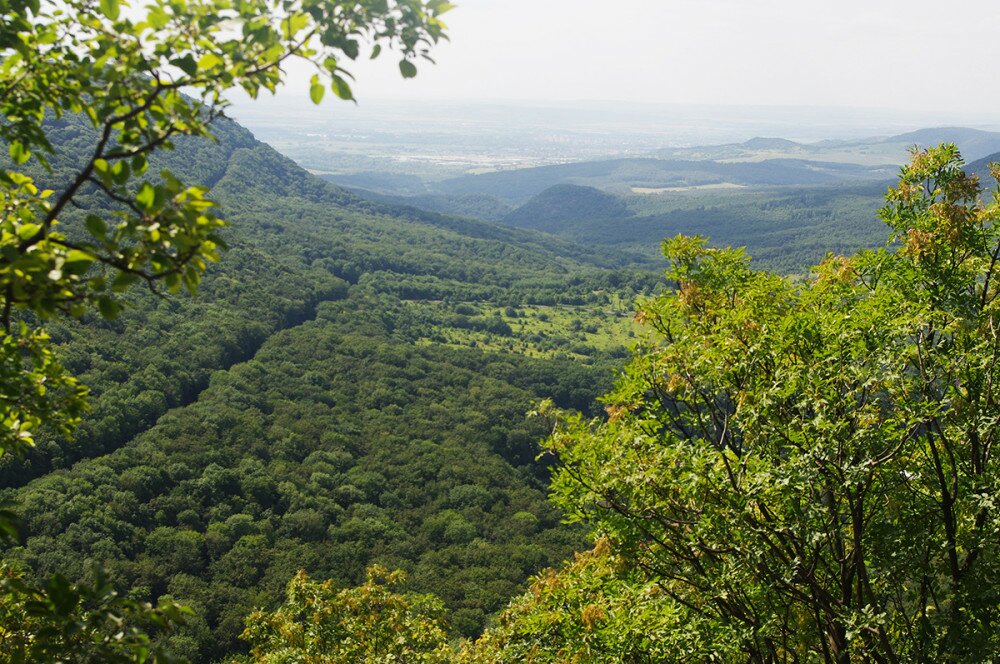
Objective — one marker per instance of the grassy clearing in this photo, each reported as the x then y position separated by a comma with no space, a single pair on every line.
584,333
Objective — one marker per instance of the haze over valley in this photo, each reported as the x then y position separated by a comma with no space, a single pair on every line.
790,184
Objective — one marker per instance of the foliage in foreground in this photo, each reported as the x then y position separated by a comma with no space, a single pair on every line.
807,470
594,609
61,622
365,625
123,68
124,72
793,471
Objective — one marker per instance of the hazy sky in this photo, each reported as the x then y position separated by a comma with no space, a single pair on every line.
926,54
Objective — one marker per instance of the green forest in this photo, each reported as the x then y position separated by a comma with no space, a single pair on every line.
251,416
361,399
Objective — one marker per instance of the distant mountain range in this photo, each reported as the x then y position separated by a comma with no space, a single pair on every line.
973,143
758,162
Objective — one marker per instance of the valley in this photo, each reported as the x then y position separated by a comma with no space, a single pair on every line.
635,332
353,382
350,386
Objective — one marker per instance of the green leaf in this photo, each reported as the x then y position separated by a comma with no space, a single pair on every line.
61,594
146,198
77,262
108,307
28,231
439,7
208,61
316,89
376,51
18,152
110,9
407,69
8,522
157,18
96,226
122,281
186,64
295,24
341,88
351,49
139,164
120,172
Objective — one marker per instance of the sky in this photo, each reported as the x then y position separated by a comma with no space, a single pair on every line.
926,54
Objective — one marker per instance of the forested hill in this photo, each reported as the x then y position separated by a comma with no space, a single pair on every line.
981,167
294,241
475,206
562,208
785,229
623,175
351,386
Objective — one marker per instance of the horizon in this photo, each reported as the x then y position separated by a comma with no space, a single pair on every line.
669,125
773,54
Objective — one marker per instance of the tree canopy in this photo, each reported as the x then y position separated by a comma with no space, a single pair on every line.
806,469
141,78
368,624
790,469
124,68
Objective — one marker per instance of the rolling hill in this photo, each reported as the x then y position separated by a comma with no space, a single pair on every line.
626,175
784,228
561,208
973,143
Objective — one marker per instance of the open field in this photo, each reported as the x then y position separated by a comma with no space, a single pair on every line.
583,333
700,187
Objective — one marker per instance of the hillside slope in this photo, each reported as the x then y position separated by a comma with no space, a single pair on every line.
981,167
304,413
973,143
783,228
560,208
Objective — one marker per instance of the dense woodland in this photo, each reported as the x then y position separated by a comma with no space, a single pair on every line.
353,387
288,418
387,433
786,228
